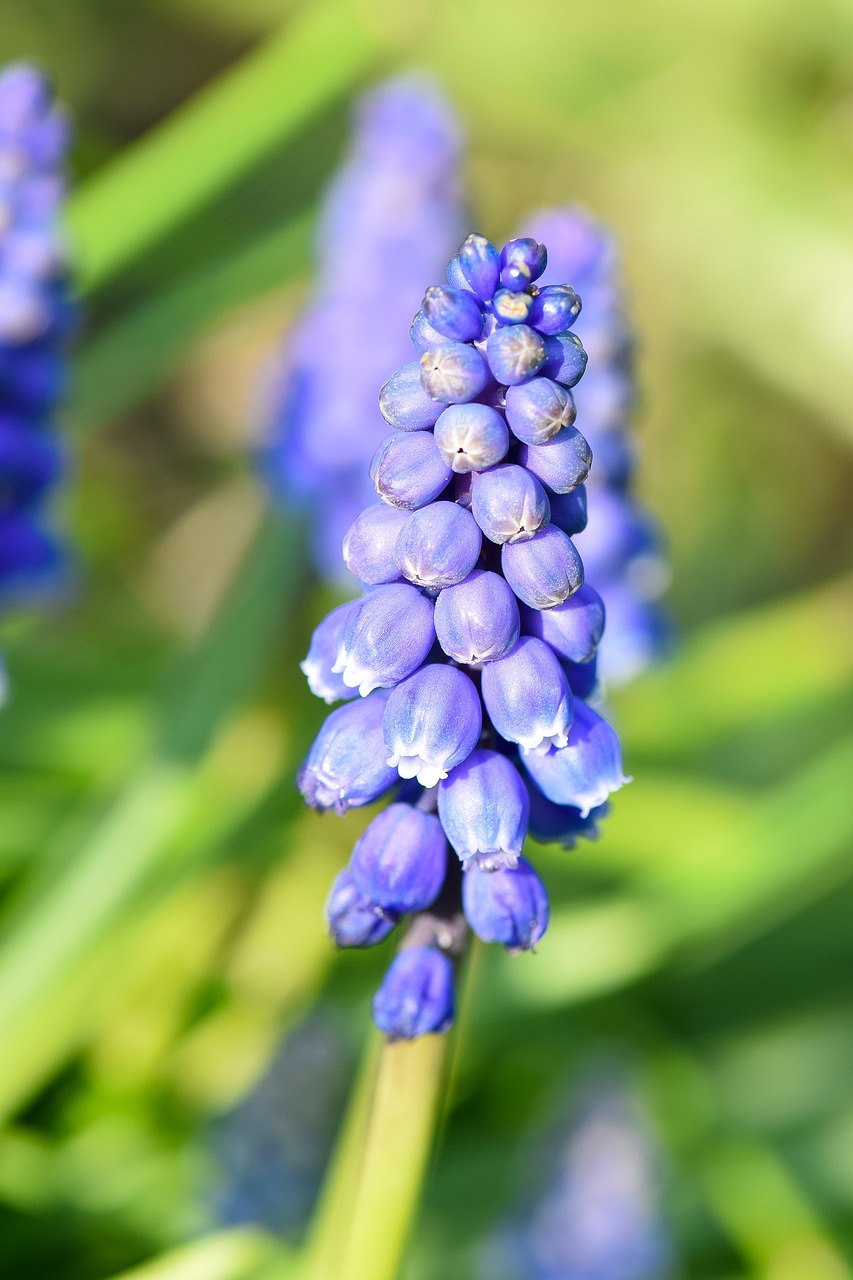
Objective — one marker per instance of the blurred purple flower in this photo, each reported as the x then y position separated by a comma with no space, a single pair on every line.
392,216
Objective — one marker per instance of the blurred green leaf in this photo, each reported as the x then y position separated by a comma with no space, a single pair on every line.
210,142
230,1255
122,366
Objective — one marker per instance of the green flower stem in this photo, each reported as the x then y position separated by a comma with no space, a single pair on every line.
211,142
321,1258
403,1115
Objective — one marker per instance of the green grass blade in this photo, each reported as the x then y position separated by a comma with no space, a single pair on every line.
119,368
217,137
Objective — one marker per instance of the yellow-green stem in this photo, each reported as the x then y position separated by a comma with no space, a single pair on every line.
403,1115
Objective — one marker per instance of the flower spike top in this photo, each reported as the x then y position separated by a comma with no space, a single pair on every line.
35,316
464,666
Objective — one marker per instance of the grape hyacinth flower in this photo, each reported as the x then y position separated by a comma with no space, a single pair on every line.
473,645
598,1214
390,217
620,545
35,317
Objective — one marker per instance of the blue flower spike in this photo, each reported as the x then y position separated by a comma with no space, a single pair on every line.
474,645
36,316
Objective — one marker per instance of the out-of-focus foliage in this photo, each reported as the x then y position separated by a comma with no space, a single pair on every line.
162,890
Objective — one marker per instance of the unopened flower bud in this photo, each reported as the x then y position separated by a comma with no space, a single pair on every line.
454,314
438,545
572,629
408,471
477,620
416,996
471,437
522,262
479,264
454,373
322,655
561,464
543,571
554,309
566,359
509,504
404,403
538,409
368,546
515,353
401,860
508,906
353,920
569,510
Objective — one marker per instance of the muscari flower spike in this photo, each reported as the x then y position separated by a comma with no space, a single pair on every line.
35,318
473,645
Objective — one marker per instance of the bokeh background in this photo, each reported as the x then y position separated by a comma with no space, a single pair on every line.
178,1036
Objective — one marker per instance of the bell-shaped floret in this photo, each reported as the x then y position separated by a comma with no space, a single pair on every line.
584,772
484,806
322,654
408,471
346,767
386,637
432,723
527,696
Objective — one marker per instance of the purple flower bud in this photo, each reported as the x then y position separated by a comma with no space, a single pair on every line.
543,571
573,629
368,546
416,996
555,309
527,696
569,510
322,654
561,464
566,359
522,261
484,806
432,723
404,403
515,353
401,860
561,823
386,637
454,373
438,545
511,308
423,335
506,906
353,920
479,265
408,471
477,620
583,773
346,765
509,504
454,314
537,410
471,437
